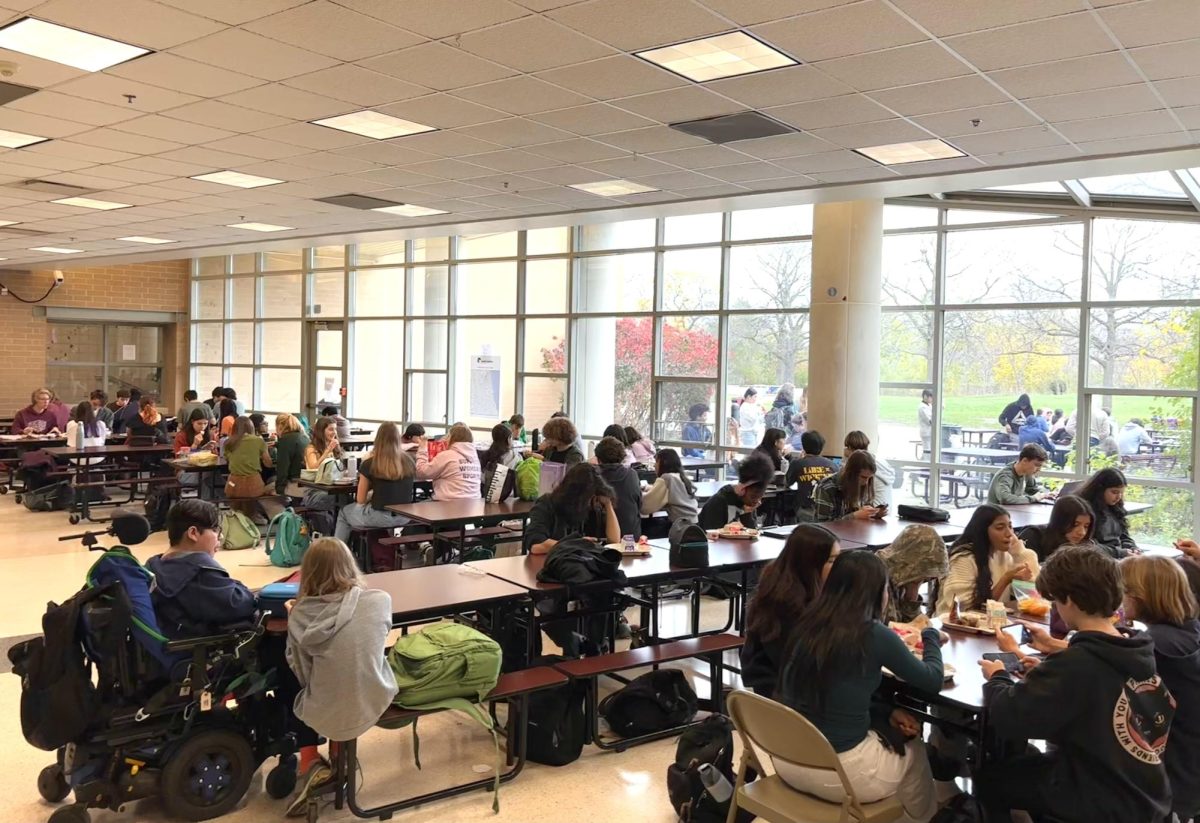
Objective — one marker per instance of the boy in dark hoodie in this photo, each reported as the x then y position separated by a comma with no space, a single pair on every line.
1100,702
193,595
740,501
610,455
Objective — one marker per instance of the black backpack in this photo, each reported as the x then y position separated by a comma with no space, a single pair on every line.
556,727
55,497
652,702
922,514
689,545
710,742
58,699
158,503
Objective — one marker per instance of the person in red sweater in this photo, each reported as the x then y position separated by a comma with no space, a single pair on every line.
39,417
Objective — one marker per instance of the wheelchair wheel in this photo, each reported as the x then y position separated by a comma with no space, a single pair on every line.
52,784
71,814
73,519
281,781
207,775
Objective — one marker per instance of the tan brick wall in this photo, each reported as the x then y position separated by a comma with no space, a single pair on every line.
160,286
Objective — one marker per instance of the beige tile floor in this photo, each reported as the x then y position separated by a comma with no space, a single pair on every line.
601,786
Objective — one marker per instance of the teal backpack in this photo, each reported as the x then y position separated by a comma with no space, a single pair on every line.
291,539
529,475
238,532
447,666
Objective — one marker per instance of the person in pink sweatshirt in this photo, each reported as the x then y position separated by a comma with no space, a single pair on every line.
455,471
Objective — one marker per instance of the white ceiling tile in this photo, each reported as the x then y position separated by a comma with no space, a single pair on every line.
854,175
510,183
638,24
565,176
127,175
515,132
631,167
940,95
392,177
139,22
594,118
436,19
288,102
385,153
312,137
1097,71
357,85
451,189
334,31
180,74
612,77
532,44
104,88
447,144
978,120
208,157
1120,126
545,5
792,84
578,150
1005,141
1149,142
443,111
1189,116
862,135
512,160
903,66
703,157
1073,35
1015,158
438,66
1169,60
78,151
1149,23
254,146
234,12
840,32
225,116
253,55
749,12
279,170
30,123
522,95
653,138
38,73
959,16
123,141
333,163
1182,91
676,180
53,104
786,182
164,128
57,162
783,145
171,167
825,162
447,169
1099,103
837,111
678,105
745,172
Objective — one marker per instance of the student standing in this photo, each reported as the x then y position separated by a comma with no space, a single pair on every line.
290,444
384,479
849,493
455,471
671,490
984,561
1099,703
833,671
1016,483
1105,491
925,419
788,585
37,417
750,418
740,501
627,491
1014,414
806,471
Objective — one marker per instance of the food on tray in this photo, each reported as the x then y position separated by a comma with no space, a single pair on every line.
734,531
1034,607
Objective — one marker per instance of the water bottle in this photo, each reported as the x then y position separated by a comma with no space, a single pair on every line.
715,783
78,436
351,466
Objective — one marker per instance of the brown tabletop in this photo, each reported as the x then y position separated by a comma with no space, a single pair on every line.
440,591
522,570
734,554
461,512
106,451
874,534
346,487
963,652
183,464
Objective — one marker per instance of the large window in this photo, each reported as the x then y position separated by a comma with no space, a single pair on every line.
83,356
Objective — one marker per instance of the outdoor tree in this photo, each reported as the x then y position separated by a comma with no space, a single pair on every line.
776,279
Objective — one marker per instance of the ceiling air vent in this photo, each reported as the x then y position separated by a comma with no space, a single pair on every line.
61,189
11,91
746,125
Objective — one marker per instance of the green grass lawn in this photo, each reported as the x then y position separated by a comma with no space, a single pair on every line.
981,411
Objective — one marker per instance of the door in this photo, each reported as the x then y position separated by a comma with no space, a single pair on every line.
324,372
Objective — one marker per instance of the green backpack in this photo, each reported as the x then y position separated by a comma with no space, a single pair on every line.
291,539
238,531
529,475
447,666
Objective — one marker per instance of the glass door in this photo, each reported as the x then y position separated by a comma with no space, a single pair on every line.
324,367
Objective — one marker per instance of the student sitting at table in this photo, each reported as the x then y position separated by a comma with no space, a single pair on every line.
323,445
290,444
916,558
1033,430
617,433
99,402
455,471
885,475
226,414
787,586
984,561
1099,704
696,430
1071,523
806,470
502,451
247,454
384,479
124,416
85,427
641,447
772,446
191,403
671,490
558,442
343,425
1132,437
740,501
833,670
37,417
337,630
193,435
627,490
516,428
1016,483
411,439
148,426
1105,491
849,493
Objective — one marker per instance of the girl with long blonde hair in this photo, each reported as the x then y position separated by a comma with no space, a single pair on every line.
384,479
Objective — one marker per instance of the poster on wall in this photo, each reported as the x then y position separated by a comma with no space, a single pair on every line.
485,386
128,351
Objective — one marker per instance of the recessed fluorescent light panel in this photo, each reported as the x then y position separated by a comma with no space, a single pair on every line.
259,227
409,210
16,140
153,241
613,188
711,58
56,250
374,125
920,150
70,47
89,203
236,178
8,222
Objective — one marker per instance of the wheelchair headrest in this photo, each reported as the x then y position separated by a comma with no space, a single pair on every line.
130,528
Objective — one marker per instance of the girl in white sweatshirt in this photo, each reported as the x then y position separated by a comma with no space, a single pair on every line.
671,490
455,472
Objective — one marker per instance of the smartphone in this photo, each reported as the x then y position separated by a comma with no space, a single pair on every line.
881,511
1012,663
1026,636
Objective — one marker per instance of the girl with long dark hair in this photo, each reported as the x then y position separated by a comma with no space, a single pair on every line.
1105,491
849,493
671,490
834,668
581,504
786,588
1072,521
772,446
501,450
984,561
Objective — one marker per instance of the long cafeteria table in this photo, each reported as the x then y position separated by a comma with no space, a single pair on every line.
441,515
81,459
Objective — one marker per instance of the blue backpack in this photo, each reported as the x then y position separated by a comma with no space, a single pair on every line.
287,539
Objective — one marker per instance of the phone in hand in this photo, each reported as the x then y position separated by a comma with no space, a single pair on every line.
1012,663
1026,636
881,511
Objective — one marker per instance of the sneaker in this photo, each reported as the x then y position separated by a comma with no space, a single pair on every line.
623,630
318,773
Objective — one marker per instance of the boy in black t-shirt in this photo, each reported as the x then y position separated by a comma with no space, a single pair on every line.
807,471
740,501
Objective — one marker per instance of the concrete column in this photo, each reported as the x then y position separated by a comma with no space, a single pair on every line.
843,383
